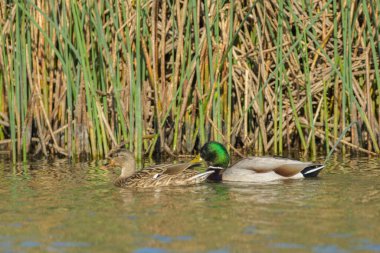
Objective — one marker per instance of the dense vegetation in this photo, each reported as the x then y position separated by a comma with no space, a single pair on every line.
81,77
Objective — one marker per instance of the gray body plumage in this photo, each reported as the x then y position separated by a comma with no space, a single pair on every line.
265,169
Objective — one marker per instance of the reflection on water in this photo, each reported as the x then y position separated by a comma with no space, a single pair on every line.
60,207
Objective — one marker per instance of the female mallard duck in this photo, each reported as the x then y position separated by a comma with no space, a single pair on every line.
155,176
253,169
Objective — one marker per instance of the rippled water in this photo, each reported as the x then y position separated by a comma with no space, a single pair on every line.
60,207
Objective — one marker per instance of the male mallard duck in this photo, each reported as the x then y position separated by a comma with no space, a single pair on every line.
254,169
155,176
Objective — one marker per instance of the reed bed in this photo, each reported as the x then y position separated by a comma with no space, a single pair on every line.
81,78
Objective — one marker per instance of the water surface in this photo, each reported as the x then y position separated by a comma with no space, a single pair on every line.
61,207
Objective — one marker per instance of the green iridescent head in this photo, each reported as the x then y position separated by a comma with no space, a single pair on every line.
215,154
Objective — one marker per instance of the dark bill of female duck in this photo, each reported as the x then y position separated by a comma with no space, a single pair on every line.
254,169
157,175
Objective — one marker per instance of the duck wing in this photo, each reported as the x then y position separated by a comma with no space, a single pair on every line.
173,169
170,169
289,170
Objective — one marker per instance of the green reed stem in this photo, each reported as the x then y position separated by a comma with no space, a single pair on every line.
201,117
296,118
137,92
278,86
326,116
229,89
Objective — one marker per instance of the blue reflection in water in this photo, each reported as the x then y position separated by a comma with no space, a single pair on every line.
163,238
29,244
250,230
169,239
371,247
219,251
15,225
5,245
285,245
184,238
70,244
328,249
150,250
366,244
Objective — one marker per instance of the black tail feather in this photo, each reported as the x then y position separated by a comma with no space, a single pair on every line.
312,171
